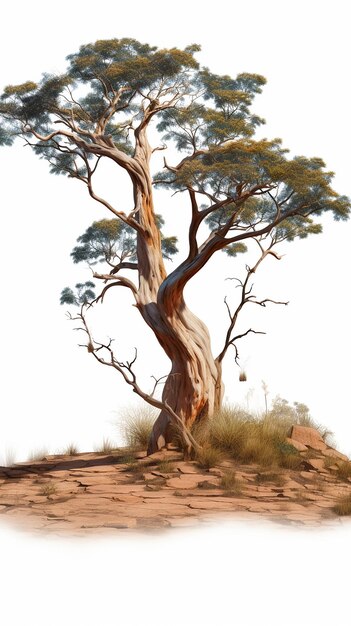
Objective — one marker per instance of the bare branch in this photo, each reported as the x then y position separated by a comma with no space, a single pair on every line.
246,297
122,281
126,370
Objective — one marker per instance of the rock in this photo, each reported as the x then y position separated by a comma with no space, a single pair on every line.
317,464
296,444
208,484
335,454
185,481
308,436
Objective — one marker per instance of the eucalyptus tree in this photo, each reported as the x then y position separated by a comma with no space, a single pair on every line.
242,187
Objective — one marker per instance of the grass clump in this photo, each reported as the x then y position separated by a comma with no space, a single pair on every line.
38,455
10,458
344,470
70,450
252,439
136,426
270,477
343,507
208,457
105,447
258,439
165,467
230,484
49,489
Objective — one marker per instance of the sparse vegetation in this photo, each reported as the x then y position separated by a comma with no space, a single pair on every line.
136,426
252,438
48,489
165,467
343,506
270,477
344,470
208,457
106,446
38,455
231,484
71,450
10,457
331,461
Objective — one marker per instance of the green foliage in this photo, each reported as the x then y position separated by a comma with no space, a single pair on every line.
112,89
115,242
83,294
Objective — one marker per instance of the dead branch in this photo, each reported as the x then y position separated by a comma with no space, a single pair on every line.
247,297
126,370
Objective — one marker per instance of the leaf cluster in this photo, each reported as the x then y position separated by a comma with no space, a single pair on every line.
83,294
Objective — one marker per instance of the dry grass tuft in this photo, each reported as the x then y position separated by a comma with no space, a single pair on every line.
270,477
38,455
208,457
71,449
343,507
49,489
344,470
10,457
106,446
254,439
165,467
230,484
136,426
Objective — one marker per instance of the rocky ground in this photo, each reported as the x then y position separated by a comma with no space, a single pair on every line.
100,493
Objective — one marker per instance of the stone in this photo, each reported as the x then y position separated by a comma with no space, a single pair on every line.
296,444
317,464
185,481
308,436
335,454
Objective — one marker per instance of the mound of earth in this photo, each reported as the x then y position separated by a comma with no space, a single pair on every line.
120,492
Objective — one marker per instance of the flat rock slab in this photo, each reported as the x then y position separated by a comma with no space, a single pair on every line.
185,481
308,436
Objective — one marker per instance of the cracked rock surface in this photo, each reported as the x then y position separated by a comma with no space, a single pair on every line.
112,493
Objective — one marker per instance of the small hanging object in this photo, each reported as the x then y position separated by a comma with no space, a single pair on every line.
242,377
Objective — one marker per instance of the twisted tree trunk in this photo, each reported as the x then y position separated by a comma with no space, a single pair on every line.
194,387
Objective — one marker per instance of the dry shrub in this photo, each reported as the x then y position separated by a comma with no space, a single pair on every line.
71,450
230,483
270,477
330,461
228,430
251,439
165,467
136,426
105,447
208,457
38,455
48,489
343,506
344,470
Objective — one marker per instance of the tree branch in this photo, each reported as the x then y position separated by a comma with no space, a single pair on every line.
126,370
246,296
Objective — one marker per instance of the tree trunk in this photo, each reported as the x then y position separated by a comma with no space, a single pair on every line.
194,388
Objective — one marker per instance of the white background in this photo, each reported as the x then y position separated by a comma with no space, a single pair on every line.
52,393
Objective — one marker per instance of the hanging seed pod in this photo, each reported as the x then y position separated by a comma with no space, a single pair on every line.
242,377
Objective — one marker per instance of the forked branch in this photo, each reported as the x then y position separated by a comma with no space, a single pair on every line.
246,297
126,370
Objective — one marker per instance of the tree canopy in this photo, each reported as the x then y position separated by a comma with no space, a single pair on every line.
241,185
